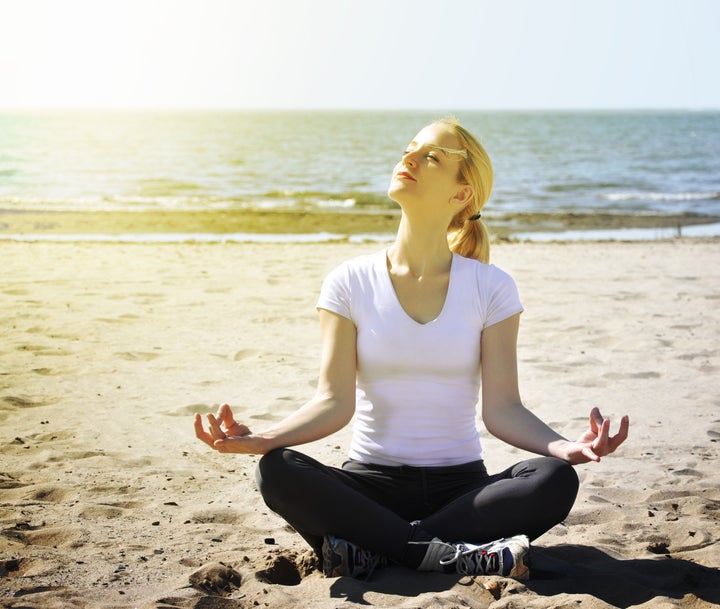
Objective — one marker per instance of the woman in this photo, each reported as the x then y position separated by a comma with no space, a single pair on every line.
407,336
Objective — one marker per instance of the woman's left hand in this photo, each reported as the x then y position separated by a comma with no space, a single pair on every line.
596,442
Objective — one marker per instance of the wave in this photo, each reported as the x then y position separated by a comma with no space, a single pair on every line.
322,237
571,187
661,196
149,200
165,187
350,198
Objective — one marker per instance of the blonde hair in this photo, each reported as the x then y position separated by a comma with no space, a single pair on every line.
466,237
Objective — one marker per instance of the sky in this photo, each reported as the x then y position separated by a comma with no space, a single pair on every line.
360,54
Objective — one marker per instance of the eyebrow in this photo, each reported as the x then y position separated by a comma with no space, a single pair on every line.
459,151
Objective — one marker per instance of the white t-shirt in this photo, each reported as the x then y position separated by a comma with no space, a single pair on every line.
418,384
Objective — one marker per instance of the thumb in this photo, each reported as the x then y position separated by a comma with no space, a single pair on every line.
590,454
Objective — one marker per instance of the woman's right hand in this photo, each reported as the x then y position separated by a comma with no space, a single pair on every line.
225,434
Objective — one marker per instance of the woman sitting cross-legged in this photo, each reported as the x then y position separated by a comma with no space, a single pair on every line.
414,338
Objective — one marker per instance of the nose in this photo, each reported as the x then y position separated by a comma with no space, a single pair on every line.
409,159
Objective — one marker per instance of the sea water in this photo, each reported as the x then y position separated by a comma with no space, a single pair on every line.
558,162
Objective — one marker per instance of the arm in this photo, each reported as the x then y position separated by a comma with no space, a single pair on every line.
506,418
331,408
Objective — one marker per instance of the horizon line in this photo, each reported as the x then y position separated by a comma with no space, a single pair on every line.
79,108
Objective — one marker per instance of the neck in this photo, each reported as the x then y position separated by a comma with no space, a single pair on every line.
421,249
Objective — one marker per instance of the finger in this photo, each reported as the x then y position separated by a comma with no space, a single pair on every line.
200,432
621,435
600,445
217,433
225,415
596,419
589,454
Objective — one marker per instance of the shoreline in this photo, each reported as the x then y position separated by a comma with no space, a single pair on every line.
296,225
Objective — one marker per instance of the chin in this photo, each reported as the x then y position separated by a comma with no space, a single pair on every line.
396,194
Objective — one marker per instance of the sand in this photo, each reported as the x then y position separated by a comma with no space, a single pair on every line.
108,500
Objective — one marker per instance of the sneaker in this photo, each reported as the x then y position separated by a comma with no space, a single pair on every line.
506,557
342,558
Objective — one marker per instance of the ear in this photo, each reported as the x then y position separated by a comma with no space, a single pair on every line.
462,196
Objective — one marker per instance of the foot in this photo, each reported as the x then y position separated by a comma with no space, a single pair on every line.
506,557
342,558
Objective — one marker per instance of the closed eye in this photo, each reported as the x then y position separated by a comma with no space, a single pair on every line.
432,155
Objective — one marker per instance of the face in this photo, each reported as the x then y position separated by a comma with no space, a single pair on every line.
428,170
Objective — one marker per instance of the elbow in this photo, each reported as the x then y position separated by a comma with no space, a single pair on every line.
492,427
498,415
341,406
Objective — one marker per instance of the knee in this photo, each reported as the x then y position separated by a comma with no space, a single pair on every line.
276,476
269,463
271,474
563,483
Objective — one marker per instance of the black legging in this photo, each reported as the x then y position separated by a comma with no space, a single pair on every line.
381,508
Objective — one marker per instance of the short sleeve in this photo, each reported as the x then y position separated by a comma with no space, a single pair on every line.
335,292
503,297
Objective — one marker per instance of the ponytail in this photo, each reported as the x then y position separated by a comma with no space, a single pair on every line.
467,234
471,240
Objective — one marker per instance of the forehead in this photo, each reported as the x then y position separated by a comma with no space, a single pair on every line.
437,135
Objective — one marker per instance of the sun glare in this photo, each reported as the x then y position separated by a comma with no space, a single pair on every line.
90,54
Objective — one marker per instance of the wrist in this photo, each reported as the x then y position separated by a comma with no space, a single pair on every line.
559,449
264,443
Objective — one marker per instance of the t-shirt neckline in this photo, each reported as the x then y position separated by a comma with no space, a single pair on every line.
386,274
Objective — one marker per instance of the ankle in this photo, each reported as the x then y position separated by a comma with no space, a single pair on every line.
434,552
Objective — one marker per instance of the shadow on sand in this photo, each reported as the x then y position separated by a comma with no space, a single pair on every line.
564,569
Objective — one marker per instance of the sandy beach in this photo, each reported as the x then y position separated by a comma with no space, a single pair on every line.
107,499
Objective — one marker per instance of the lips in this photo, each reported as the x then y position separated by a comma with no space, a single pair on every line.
404,175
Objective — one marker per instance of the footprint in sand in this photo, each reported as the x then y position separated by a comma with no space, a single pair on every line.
31,348
16,292
41,350
46,371
16,401
137,356
714,431
287,568
39,536
635,375
118,320
8,481
148,298
219,516
216,578
37,494
100,512
189,410
244,354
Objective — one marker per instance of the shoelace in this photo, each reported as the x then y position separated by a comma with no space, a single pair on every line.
473,561
364,562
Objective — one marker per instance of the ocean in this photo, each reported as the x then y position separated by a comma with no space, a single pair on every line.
626,163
